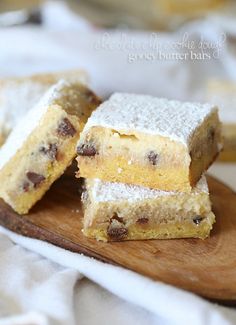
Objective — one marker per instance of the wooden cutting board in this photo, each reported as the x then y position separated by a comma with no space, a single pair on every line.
206,267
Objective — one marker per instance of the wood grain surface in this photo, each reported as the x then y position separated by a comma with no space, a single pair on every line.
206,267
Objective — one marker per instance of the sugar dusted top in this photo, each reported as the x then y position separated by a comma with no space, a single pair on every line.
19,95
106,191
158,116
30,121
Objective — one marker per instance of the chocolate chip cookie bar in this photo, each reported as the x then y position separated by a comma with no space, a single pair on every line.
223,93
18,95
116,211
43,144
152,142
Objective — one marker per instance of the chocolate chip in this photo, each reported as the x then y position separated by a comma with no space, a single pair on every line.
117,218
197,220
117,233
142,220
153,157
35,178
196,152
26,186
65,128
86,149
50,151
91,97
34,17
211,134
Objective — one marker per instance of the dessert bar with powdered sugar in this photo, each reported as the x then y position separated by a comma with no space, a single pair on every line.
147,141
42,145
116,211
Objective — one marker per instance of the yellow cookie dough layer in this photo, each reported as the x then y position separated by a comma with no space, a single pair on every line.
166,231
115,212
49,132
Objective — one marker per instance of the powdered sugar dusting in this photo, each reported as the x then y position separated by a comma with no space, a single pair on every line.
158,116
29,122
106,191
19,95
17,99
54,93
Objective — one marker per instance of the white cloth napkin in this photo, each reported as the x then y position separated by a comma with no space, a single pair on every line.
32,283
43,284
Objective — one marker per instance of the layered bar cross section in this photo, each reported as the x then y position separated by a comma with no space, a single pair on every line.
147,141
116,212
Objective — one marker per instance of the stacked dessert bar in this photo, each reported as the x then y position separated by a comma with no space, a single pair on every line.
143,160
